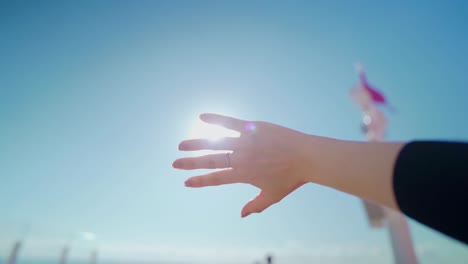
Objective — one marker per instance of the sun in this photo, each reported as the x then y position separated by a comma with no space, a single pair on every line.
211,132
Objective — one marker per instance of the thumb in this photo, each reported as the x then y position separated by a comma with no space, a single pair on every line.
261,202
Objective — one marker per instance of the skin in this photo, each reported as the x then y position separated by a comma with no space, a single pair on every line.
278,160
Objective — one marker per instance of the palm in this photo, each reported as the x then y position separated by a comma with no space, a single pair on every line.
263,156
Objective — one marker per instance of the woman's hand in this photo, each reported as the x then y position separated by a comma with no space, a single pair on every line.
265,155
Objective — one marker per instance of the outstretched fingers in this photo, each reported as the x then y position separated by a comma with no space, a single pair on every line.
212,161
225,121
228,176
227,143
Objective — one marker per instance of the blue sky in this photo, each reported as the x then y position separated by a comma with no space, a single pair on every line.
95,96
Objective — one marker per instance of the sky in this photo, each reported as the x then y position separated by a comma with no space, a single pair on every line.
96,95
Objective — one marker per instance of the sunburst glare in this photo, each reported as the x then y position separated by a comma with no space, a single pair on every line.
211,132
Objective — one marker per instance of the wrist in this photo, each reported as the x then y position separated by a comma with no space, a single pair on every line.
319,154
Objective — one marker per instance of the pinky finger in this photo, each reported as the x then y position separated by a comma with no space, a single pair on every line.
213,179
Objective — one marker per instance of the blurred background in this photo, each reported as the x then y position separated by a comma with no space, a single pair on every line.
96,95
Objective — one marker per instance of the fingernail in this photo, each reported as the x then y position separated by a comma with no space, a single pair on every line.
189,183
182,146
178,164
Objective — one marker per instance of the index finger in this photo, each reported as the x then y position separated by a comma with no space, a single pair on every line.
227,176
225,121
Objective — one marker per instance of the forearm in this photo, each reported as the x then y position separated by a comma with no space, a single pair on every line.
359,168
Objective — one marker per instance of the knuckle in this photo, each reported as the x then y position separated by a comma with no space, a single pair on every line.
211,163
189,164
199,181
234,159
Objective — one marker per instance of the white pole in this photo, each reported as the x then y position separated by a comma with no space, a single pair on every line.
14,252
64,255
94,257
400,236
374,126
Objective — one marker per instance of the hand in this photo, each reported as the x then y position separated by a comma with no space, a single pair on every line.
265,155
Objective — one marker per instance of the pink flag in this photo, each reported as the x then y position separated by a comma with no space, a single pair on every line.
376,95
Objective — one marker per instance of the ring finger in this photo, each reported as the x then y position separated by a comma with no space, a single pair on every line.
212,161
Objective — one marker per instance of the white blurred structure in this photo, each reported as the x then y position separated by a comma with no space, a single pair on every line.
374,124
14,252
64,255
91,237
94,257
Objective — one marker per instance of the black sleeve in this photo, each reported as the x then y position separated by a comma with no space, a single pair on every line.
430,182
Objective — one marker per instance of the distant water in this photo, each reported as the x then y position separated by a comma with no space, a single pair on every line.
42,261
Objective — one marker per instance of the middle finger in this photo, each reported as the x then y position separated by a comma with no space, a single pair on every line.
212,161
227,143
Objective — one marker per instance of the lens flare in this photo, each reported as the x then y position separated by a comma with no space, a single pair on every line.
250,127
211,132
